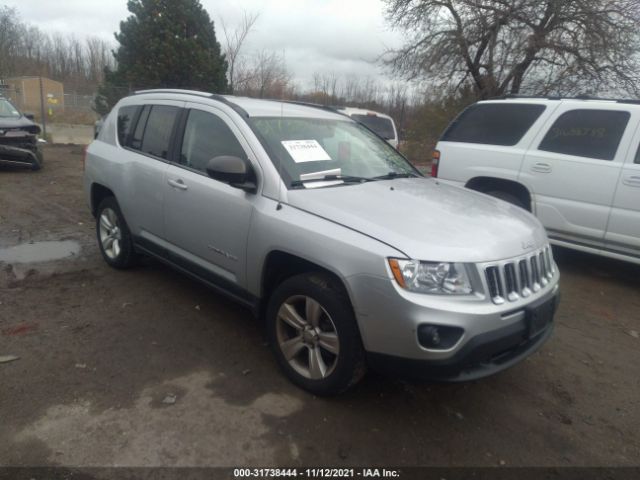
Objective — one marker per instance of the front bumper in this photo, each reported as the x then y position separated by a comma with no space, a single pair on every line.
26,153
482,356
495,336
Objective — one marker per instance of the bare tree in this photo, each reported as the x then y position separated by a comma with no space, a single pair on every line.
98,58
271,75
234,40
9,39
26,50
263,75
503,46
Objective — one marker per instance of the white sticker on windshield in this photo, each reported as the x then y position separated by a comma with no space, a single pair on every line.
305,150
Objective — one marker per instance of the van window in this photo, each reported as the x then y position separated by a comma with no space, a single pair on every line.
382,126
158,130
493,123
125,123
637,160
206,136
586,133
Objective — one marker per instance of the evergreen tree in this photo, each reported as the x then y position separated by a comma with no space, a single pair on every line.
165,44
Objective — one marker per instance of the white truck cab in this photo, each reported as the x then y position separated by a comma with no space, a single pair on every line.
380,123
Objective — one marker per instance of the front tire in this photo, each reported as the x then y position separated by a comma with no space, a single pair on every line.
114,237
37,164
314,335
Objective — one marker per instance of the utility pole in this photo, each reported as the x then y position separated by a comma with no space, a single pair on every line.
42,110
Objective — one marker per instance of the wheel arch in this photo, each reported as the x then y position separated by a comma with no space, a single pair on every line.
487,184
98,193
280,265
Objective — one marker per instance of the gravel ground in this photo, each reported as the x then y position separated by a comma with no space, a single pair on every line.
148,368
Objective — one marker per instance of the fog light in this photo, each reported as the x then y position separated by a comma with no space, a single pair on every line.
438,337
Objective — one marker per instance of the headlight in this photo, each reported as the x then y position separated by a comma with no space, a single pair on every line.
431,277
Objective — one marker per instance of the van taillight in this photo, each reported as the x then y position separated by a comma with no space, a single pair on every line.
434,163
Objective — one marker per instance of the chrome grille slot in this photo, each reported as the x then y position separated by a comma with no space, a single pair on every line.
495,284
518,278
543,268
535,273
550,267
511,282
525,278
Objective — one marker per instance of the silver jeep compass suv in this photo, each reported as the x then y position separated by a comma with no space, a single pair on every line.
350,256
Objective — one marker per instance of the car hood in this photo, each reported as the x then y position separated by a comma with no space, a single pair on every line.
427,220
22,123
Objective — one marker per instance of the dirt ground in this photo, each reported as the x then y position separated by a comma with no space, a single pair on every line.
148,368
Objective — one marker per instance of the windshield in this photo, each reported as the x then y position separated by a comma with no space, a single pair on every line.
306,150
382,126
8,110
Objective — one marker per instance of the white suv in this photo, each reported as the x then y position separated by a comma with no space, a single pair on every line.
575,163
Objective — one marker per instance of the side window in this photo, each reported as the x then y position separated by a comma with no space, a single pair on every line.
125,123
493,123
586,133
157,133
136,138
637,160
207,136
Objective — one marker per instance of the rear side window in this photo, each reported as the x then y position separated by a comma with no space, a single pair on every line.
125,123
382,126
493,123
586,133
136,139
637,160
157,133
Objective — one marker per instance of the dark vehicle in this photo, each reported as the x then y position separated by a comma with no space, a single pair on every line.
19,144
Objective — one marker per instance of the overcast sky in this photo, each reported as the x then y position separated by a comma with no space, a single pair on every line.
341,36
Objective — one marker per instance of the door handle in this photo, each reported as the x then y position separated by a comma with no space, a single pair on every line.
632,181
177,184
541,167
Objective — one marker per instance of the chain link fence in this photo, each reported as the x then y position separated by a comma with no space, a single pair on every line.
67,108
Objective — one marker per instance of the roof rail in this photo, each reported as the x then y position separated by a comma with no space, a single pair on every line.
214,96
173,90
329,108
238,109
559,97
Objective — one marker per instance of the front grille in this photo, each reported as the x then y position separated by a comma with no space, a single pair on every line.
518,278
28,142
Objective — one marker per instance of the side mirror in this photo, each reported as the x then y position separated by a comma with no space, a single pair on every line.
30,116
232,170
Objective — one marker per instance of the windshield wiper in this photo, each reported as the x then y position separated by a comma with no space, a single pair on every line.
329,178
392,175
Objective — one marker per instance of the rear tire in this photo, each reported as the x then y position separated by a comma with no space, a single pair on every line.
507,197
314,335
114,237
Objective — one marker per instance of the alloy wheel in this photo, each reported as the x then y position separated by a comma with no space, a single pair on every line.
307,337
110,233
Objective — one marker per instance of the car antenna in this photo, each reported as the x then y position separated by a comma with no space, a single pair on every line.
280,181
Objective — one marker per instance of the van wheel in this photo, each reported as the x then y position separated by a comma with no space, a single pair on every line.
507,197
314,336
114,238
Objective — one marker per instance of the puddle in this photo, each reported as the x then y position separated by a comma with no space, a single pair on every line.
39,252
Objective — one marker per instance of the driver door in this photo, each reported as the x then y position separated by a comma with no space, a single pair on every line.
207,221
